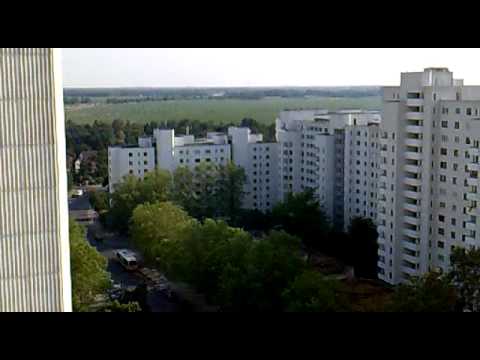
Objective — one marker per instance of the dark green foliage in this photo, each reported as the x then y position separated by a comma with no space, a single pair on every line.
429,293
132,192
300,215
99,200
312,292
363,247
116,306
88,269
465,275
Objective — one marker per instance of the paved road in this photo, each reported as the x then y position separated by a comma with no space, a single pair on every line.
157,300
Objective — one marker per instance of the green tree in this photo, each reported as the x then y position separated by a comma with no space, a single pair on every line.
99,200
88,269
154,224
432,292
131,192
183,192
311,292
300,215
363,247
116,306
465,276
256,277
204,202
229,190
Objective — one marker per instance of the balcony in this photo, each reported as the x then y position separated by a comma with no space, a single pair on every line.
380,264
415,102
474,151
410,246
413,155
410,271
412,194
410,258
383,179
414,142
470,241
381,252
473,211
384,141
413,115
412,220
384,153
380,229
470,225
411,181
411,207
414,129
473,166
412,233
413,169
381,216
473,196
472,182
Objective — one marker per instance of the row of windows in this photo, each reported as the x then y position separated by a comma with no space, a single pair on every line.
198,151
458,111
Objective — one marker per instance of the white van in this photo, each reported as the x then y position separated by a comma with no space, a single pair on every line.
127,259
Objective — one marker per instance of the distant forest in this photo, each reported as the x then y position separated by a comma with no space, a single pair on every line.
122,95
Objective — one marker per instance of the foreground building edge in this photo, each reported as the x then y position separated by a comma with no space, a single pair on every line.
34,229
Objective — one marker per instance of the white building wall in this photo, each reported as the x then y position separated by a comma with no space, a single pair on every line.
302,137
429,139
260,162
124,161
34,243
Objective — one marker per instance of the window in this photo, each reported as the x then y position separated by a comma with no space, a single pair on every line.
441,218
443,151
457,111
457,125
444,124
469,111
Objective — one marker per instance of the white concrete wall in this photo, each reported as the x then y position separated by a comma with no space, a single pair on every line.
429,197
123,161
34,244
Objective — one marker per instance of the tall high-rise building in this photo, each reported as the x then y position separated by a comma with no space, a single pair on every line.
429,179
333,153
34,246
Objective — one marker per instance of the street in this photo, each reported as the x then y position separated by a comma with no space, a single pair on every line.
158,301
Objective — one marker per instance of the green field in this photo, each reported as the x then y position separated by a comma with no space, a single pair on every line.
218,111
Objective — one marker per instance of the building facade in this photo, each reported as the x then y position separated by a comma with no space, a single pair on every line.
34,242
126,160
333,153
429,173
259,159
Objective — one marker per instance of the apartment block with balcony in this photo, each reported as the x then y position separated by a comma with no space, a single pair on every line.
333,153
428,137
259,159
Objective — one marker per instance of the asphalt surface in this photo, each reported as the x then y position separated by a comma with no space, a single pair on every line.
158,301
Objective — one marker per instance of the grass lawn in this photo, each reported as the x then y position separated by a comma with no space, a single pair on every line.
218,111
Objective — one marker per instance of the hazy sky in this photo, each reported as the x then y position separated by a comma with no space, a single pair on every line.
259,67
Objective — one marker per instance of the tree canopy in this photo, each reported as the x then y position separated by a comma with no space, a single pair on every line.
88,269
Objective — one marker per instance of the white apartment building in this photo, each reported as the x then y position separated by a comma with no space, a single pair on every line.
174,151
333,153
34,241
126,160
165,151
259,159
428,202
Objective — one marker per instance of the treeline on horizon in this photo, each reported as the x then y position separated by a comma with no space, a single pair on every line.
236,92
